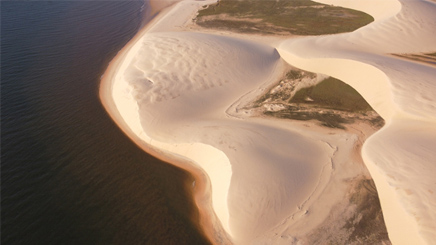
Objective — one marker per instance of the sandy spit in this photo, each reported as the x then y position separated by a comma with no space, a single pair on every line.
175,93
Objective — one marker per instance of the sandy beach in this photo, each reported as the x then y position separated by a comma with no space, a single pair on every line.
181,93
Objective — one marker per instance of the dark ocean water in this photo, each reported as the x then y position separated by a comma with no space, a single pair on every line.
68,174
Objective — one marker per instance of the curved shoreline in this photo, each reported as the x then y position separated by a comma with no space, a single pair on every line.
381,100
208,222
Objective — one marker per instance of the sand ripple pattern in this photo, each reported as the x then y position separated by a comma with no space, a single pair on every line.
181,86
168,66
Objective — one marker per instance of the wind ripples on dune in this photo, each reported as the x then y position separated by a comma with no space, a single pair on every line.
178,101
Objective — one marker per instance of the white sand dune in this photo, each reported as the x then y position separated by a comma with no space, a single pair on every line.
401,157
181,85
176,91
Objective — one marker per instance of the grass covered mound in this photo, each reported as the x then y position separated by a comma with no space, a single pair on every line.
332,94
299,17
331,102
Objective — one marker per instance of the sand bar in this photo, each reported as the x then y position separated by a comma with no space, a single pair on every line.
171,90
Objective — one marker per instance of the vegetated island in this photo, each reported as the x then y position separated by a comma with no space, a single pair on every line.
303,95
282,17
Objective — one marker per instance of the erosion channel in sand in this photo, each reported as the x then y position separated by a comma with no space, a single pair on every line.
182,95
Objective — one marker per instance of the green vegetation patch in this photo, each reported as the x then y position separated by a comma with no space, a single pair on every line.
300,17
331,102
333,94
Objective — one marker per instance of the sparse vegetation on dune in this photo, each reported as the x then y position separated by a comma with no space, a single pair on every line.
429,58
361,219
330,101
332,94
298,17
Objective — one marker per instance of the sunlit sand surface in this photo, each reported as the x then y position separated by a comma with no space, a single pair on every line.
275,181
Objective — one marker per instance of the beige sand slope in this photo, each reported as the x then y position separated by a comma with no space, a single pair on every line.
401,157
181,85
177,91
173,91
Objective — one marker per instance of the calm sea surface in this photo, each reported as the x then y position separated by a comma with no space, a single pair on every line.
68,174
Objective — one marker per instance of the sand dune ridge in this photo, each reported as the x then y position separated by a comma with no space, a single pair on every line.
176,90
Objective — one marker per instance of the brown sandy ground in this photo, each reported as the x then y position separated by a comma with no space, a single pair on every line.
356,220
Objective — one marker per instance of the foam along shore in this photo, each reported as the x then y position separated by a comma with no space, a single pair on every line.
401,156
172,90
